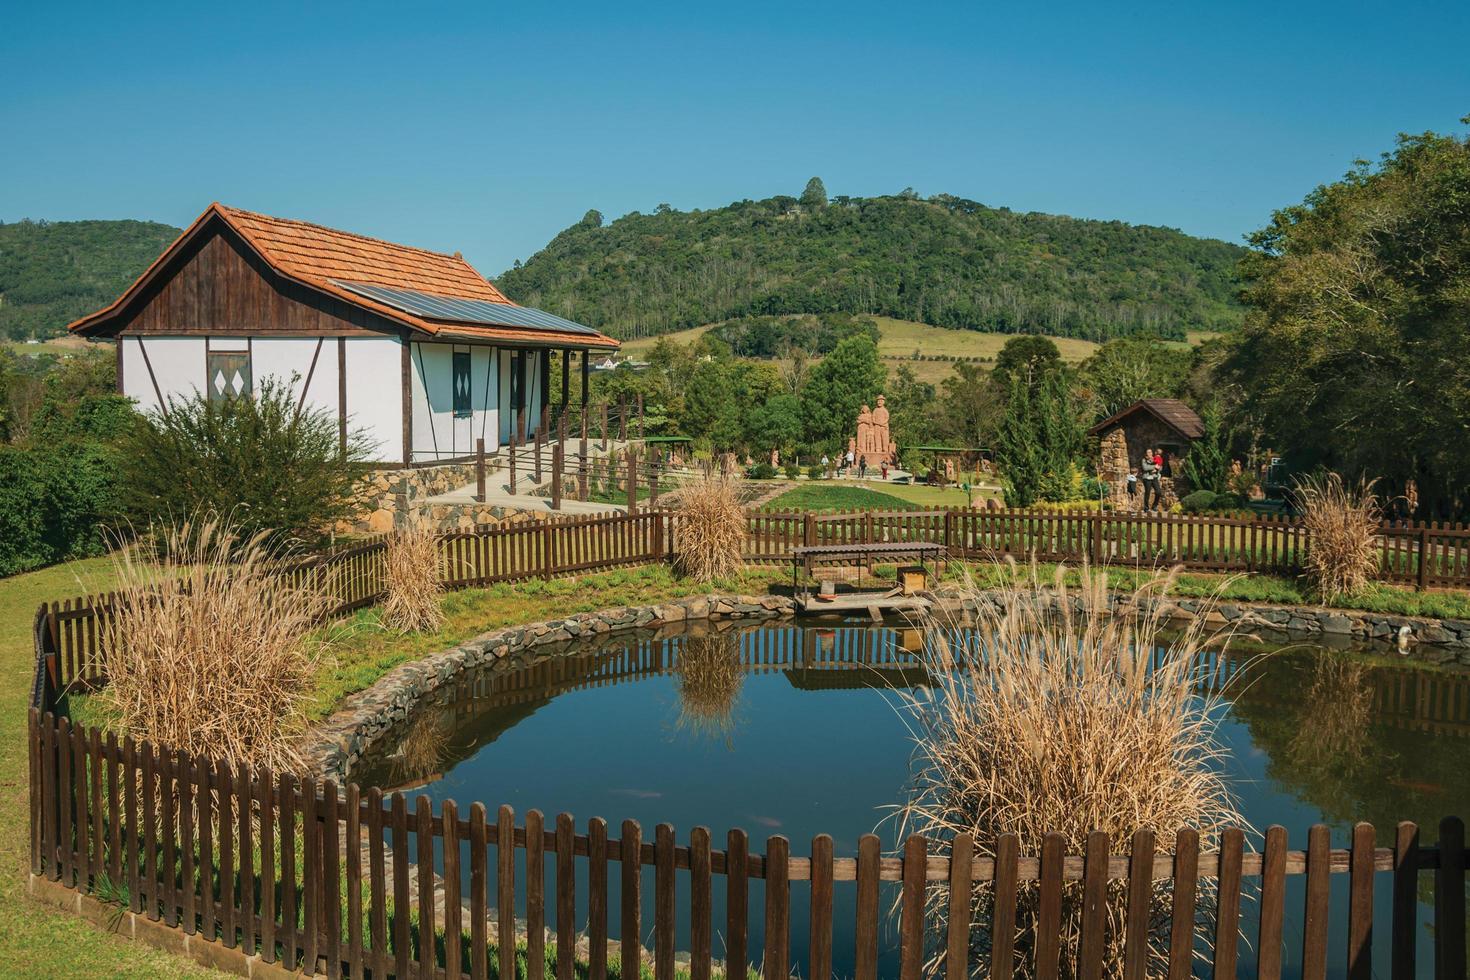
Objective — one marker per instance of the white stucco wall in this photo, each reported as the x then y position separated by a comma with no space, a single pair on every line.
374,394
177,365
288,362
374,402
437,434
534,395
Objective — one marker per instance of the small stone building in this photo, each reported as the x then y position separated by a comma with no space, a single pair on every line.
1164,423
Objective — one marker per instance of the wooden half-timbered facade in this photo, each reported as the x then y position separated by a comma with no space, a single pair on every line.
414,349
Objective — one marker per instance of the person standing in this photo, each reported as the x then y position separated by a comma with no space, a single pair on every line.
826,466
1132,483
1151,469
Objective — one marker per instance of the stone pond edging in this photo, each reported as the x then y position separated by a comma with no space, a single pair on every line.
335,745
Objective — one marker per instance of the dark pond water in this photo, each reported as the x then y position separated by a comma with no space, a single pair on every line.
806,736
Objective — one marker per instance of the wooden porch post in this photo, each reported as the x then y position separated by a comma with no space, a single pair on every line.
480,470
585,394
632,481
541,427
405,370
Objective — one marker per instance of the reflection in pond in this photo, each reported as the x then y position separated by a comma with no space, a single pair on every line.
710,675
807,737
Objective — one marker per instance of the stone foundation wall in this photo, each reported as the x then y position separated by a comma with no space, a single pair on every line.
386,498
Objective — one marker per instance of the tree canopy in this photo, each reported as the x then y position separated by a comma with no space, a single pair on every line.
942,260
52,272
1353,352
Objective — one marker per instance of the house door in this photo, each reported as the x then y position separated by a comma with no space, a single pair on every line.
463,420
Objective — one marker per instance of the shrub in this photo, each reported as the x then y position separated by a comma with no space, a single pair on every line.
1059,716
1198,502
54,502
1342,524
1093,488
208,646
711,527
817,472
411,580
793,471
254,458
761,471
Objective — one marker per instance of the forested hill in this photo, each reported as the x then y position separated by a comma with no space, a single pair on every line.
941,260
52,272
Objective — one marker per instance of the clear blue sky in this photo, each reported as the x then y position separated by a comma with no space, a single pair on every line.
488,127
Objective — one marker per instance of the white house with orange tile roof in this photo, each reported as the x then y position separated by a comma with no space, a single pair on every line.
414,349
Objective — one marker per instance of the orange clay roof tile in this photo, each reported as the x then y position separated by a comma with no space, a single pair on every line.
320,257
316,254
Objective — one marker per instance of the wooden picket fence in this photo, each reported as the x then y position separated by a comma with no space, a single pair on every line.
348,883
1424,555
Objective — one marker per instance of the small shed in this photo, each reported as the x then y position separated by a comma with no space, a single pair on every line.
1166,424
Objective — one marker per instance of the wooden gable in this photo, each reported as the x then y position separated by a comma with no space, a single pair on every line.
218,284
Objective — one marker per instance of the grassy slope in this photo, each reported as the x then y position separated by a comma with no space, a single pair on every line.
34,940
898,339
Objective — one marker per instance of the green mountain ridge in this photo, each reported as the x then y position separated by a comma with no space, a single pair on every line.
941,260
52,272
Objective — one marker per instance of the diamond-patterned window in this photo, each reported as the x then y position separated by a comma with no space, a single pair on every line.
227,374
462,404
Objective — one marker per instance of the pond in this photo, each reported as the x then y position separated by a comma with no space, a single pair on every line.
796,730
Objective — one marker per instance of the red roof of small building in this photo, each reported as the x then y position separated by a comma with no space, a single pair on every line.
322,257
1171,411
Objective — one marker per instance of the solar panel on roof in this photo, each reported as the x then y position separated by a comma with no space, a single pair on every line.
465,310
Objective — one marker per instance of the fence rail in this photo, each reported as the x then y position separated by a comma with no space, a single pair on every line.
76,630
346,882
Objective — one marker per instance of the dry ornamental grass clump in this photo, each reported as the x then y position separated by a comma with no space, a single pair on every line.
1342,524
207,650
411,580
1053,714
710,527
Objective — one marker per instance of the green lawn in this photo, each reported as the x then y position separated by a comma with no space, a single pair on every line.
860,494
34,940
820,495
357,651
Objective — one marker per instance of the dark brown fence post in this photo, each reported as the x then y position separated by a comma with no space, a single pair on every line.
622,418
1423,557
480,470
658,536
604,426
640,415
556,475
547,558
652,481
808,529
